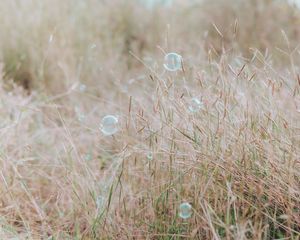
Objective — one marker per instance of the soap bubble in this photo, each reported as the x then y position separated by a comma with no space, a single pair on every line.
80,116
51,38
82,87
150,156
109,125
150,4
185,210
93,46
88,157
241,98
173,62
100,201
195,105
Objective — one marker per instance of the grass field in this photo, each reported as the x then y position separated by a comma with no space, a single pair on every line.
221,134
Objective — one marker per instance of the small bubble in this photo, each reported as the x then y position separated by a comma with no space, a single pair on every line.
82,87
185,210
173,62
100,202
195,105
232,228
150,156
109,125
23,57
51,38
241,97
141,77
80,116
93,46
88,157
151,4
167,3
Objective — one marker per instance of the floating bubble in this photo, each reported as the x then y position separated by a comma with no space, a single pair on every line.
100,201
109,125
232,227
79,114
185,210
88,157
51,38
195,105
93,46
241,97
173,62
150,156
82,87
150,4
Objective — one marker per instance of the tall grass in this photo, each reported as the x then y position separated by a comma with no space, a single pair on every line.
236,161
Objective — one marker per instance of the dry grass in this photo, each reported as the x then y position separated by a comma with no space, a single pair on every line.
237,161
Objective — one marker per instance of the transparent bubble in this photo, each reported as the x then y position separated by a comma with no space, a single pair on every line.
82,87
51,38
167,3
173,62
241,98
109,125
150,156
88,157
232,227
185,210
100,201
93,46
150,4
80,116
195,105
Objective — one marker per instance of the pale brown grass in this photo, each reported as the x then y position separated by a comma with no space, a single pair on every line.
236,161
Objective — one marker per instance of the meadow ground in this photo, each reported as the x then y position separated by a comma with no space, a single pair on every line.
222,133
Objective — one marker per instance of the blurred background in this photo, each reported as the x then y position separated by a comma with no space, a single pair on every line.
50,45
